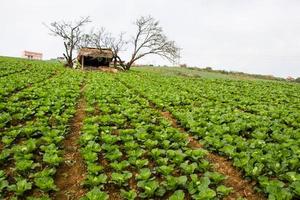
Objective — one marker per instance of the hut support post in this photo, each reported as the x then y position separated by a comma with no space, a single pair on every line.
82,62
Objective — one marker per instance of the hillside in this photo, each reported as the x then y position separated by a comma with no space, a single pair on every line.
148,133
206,73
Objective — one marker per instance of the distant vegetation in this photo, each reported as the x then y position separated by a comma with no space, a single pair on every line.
258,76
207,73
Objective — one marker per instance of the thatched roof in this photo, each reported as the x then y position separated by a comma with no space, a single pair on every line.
95,53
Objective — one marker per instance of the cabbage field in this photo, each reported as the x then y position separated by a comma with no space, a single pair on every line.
68,134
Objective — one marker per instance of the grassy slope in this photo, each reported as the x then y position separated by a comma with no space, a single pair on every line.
190,72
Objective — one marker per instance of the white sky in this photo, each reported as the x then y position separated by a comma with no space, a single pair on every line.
255,36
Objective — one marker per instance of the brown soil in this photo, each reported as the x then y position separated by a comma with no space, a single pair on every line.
113,191
242,187
1,146
103,162
171,119
133,182
70,175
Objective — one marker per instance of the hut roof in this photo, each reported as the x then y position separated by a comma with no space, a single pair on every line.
95,53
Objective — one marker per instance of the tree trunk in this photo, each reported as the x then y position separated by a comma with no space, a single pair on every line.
128,65
115,62
70,62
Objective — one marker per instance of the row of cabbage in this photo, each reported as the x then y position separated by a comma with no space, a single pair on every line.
12,65
132,152
33,123
17,74
254,123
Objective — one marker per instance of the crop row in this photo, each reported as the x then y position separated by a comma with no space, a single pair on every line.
132,152
11,65
33,73
33,123
256,124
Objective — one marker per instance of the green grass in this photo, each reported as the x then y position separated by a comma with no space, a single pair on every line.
203,73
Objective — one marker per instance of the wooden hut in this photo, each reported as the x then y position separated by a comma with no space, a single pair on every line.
93,57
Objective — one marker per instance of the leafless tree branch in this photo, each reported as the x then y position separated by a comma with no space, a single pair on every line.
150,39
71,33
102,39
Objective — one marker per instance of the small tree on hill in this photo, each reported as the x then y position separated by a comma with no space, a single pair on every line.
150,40
71,33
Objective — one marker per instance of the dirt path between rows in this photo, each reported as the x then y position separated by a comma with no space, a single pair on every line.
241,187
71,173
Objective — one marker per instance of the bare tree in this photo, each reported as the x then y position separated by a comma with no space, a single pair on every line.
150,39
118,44
71,33
86,40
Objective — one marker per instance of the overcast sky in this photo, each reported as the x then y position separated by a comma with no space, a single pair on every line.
255,36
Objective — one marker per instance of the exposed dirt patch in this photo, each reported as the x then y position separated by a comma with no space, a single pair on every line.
171,119
115,132
133,182
234,179
103,162
71,172
194,143
1,146
113,191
